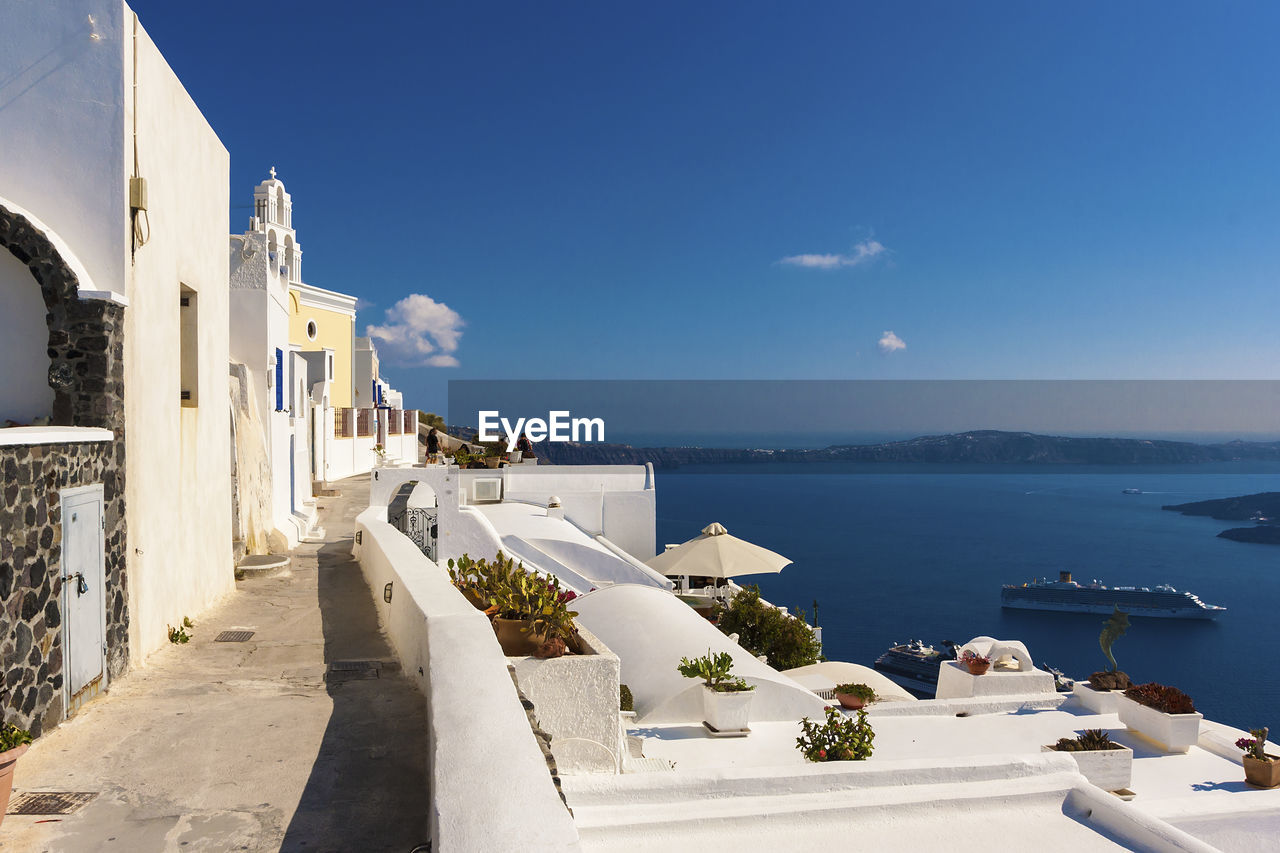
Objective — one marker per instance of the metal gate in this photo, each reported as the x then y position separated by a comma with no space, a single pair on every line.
419,524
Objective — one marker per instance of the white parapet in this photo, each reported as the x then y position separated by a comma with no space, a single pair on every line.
576,700
955,682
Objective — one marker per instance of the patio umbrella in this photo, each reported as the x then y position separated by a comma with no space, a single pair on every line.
716,554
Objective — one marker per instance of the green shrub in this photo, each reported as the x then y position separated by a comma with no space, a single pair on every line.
862,691
840,738
11,737
786,641
626,702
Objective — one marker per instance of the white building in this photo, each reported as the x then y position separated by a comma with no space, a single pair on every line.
113,191
265,262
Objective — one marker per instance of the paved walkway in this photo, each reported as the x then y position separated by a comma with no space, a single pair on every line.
226,746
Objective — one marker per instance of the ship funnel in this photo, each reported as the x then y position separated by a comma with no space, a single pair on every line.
1064,577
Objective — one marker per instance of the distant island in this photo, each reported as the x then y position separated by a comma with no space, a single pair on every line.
1263,509
978,447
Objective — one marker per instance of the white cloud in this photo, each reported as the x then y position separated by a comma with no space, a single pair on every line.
362,303
418,332
889,342
861,253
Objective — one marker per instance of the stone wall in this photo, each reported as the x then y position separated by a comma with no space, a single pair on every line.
86,372
31,565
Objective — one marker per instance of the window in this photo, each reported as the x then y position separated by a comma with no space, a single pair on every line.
188,348
330,367
279,381
311,330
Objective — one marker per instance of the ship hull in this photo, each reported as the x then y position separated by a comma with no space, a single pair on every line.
1106,608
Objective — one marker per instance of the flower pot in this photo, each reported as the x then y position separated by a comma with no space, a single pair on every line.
8,760
726,711
474,596
492,461
1097,701
1258,773
1109,769
515,456
514,641
978,667
850,701
1175,732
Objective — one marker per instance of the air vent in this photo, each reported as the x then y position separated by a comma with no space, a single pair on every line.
487,489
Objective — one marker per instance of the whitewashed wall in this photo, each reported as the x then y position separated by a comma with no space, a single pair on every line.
62,122
178,491
491,787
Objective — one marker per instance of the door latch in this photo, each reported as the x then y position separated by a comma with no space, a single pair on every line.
81,586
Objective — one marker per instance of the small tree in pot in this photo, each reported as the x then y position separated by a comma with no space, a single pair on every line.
1111,678
1260,769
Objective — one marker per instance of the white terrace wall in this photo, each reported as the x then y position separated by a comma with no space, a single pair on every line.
491,786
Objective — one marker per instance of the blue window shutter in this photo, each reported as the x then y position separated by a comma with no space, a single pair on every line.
279,381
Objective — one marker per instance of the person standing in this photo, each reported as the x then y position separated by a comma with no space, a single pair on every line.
433,444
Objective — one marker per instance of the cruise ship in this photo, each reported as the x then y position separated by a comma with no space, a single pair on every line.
1068,596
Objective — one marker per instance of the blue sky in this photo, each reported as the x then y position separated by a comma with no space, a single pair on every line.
607,190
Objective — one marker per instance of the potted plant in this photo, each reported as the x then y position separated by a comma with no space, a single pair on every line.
1163,714
13,743
976,663
1096,694
840,738
854,696
530,612
1102,761
726,699
1260,769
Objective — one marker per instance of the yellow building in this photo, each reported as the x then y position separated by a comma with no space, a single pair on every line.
322,319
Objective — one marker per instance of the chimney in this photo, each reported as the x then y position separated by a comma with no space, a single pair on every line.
554,510
1064,577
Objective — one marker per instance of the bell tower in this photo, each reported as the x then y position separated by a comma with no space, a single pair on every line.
273,216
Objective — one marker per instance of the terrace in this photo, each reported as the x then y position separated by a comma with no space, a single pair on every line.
969,771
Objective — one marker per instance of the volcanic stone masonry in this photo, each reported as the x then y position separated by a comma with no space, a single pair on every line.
86,372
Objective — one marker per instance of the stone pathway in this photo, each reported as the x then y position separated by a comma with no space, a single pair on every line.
247,746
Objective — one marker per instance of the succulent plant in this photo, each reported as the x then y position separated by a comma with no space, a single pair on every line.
1169,700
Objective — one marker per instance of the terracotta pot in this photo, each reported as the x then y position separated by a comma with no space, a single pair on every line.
850,701
515,642
8,760
475,597
1258,773
978,667
492,461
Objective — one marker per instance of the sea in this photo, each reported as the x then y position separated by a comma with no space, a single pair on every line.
884,555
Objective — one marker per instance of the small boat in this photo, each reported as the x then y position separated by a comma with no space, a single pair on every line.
915,666
1131,491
